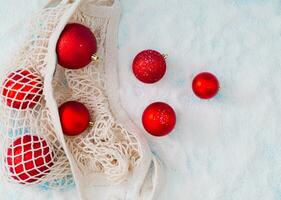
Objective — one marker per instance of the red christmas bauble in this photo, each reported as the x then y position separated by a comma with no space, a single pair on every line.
29,158
76,46
159,119
22,89
205,85
74,117
149,66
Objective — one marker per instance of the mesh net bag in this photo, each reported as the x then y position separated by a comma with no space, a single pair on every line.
107,147
112,152
31,151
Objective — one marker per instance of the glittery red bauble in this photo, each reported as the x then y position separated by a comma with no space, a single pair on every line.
149,66
159,119
22,89
29,158
205,85
75,46
74,117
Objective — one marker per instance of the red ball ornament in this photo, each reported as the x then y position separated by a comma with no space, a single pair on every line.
29,158
205,85
149,66
76,46
22,89
74,117
159,119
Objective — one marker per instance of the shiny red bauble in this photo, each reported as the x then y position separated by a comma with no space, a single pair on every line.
22,89
159,119
76,46
149,66
205,85
29,158
74,117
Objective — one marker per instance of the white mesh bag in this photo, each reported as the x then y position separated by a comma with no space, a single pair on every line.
26,125
111,159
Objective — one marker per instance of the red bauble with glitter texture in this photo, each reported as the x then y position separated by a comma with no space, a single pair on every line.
22,89
29,158
74,117
76,46
149,66
205,85
159,119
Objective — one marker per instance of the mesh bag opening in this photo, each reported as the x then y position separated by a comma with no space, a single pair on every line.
107,147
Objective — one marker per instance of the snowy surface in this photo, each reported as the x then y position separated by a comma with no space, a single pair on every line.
227,148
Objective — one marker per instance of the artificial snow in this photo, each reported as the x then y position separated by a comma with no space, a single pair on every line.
226,148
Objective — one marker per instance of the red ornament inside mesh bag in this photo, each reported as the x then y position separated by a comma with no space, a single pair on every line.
76,46
74,118
22,89
29,158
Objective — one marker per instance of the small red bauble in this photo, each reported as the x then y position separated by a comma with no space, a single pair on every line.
29,158
74,117
76,46
159,119
22,89
149,66
205,85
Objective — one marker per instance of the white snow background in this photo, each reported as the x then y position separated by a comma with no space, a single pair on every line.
226,148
